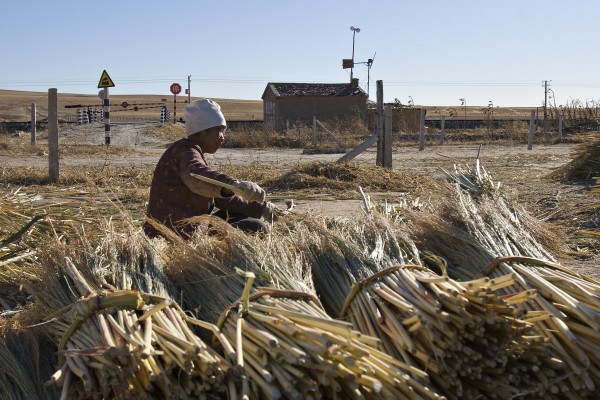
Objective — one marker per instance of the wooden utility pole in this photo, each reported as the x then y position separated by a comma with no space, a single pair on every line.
52,135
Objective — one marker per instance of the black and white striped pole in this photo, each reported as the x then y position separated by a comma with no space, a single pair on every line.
106,115
175,89
163,115
105,83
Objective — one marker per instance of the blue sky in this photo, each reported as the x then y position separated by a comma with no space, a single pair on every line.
433,52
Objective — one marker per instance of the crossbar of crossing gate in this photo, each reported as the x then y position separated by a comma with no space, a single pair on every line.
145,104
100,105
83,106
139,108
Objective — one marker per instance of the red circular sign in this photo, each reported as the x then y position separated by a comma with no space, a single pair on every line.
175,88
124,104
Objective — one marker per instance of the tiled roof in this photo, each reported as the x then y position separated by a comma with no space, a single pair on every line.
315,89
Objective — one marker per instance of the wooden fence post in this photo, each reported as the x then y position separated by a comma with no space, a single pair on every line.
378,137
314,131
443,129
53,135
387,136
33,123
531,130
422,131
560,127
380,122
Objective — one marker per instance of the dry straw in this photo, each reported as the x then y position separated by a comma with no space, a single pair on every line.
203,269
565,309
584,165
292,349
128,343
468,338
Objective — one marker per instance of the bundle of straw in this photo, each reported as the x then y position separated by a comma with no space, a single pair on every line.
494,233
566,312
123,343
125,258
345,252
583,165
290,348
469,339
479,220
203,269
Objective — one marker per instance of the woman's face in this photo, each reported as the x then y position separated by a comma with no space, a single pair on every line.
211,140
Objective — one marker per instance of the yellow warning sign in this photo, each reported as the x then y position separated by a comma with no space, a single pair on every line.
105,80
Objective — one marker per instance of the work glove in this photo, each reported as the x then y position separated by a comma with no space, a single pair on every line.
250,191
272,212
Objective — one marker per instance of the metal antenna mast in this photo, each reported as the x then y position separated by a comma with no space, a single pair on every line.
354,32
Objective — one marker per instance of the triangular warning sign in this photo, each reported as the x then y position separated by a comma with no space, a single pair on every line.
105,80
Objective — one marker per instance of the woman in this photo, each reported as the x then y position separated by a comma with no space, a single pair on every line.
176,195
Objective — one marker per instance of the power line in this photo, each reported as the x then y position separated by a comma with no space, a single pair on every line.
255,80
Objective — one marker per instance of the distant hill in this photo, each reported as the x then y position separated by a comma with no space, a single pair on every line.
15,105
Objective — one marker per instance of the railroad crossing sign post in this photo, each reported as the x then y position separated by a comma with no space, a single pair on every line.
175,89
106,82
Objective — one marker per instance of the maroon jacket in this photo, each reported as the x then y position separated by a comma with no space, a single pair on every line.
176,195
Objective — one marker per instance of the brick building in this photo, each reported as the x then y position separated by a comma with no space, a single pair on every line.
288,104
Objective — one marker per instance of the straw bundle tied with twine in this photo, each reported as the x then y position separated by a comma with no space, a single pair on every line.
565,310
469,339
290,348
124,343
480,341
